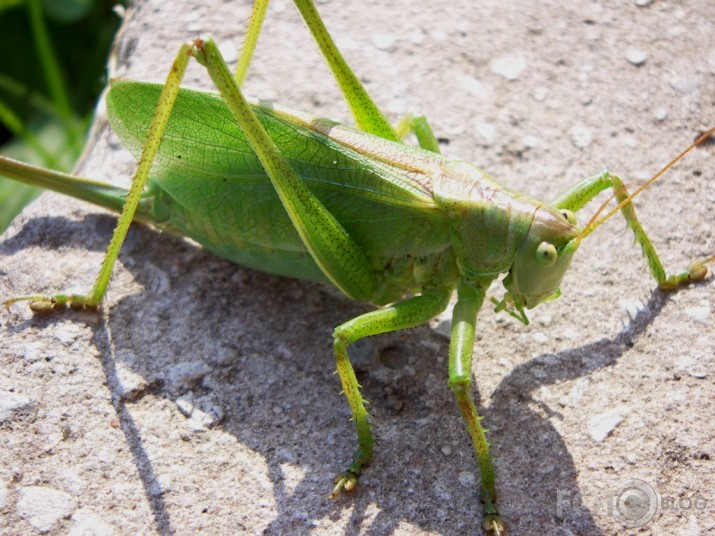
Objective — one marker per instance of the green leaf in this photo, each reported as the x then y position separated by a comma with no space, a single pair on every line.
66,10
13,198
7,4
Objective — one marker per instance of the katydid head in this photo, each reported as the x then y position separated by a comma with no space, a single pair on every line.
494,231
553,238
542,259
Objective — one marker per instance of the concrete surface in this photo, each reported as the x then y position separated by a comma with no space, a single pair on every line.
203,400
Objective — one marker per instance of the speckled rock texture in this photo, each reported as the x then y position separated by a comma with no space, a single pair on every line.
202,399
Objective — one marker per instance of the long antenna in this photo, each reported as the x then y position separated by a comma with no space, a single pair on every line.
595,223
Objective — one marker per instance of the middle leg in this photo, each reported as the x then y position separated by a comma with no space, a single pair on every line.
403,315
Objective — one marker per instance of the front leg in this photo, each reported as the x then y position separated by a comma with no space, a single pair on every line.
469,301
583,192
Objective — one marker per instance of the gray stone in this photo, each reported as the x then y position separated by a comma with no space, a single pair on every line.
11,403
42,507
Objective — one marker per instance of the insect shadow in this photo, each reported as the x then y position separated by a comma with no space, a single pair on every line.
266,343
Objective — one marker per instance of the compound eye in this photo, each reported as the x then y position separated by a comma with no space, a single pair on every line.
546,254
569,216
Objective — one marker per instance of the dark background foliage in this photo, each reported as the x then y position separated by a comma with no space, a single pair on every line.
51,72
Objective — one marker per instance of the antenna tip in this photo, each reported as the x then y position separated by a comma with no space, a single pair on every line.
706,137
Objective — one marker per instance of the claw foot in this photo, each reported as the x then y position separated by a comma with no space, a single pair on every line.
43,303
346,481
493,525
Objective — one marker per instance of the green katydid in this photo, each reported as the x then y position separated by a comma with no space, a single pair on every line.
517,235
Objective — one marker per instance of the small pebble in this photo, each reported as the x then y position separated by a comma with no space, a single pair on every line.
203,412
67,333
185,403
487,132
540,93
474,86
42,507
581,136
505,363
544,319
11,403
693,366
699,314
32,352
545,393
531,142
3,495
187,372
383,41
576,393
417,37
684,85
600,426
439,35
571,334
466,478
510,66
540,338
440,492
698,373
661,114
636,56
85,522
131,384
